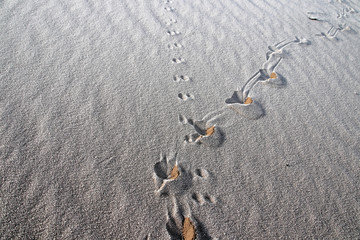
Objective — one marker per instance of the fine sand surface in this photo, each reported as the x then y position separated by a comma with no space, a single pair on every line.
171,119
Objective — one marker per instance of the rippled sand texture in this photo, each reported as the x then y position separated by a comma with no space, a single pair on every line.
173,119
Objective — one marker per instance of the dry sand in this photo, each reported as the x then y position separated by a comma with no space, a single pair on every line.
101,100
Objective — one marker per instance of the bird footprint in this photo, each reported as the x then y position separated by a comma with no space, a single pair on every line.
186,96
202,199
165,170
178,78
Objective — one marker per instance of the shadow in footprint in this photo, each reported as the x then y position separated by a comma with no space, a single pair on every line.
169,9
317,16
201,173
216,139
191,138
237,97
179,223
184,120
202,199
147,237
201,232
209,199
250,111
198,198
173,230
175,46
183,183
253,110
200,127
175,187
178,78
167,171
164,166
279,82
173,33
176,224
178,60
276,82
185,97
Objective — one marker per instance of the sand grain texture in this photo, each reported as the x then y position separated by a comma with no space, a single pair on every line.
92,92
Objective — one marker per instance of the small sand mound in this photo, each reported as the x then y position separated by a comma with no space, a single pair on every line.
174,174
248,100
273,75
188,231
210,131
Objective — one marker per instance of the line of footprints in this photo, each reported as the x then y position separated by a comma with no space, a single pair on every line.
172,180
336,23
176,46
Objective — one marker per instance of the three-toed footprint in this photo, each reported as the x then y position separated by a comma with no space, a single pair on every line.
165,170
171,178
181,224
205,133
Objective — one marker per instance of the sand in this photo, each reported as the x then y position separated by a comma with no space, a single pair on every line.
101,100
